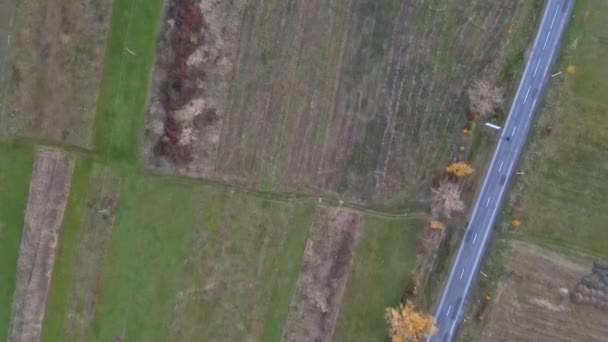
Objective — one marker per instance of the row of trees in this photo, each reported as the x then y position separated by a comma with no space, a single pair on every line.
405,322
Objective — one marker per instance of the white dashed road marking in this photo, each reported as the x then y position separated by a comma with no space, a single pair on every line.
536,69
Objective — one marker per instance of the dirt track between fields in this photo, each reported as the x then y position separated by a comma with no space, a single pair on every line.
48,195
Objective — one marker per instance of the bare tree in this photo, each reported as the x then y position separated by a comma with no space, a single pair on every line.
485,98
446,199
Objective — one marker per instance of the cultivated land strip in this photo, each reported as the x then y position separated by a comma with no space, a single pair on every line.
323,275
49,190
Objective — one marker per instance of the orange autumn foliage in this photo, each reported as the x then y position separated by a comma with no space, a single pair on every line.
571,69
405,324
436,225
459,169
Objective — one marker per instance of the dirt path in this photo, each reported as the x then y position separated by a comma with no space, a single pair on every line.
49,190
323,276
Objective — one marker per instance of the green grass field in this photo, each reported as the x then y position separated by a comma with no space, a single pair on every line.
15,170
382,264
124,86
188,261
564,194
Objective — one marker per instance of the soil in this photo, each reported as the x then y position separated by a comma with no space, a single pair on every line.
57,69
323,275
356,99
528,305
48,194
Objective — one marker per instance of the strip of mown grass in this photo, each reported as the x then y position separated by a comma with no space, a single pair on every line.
66,252
150,240
384,259
15,169
124,87
289,269
564,198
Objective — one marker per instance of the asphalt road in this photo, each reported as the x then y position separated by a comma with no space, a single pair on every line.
488,204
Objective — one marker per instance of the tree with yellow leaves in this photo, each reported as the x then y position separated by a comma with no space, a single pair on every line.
459,169
571,69
405,324
436,225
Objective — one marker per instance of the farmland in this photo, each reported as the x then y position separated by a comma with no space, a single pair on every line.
527,305
197,253
353,99
58,54
563,194
356,100
49,190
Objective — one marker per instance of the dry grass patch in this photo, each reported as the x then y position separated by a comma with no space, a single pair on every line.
49,190
57,69
234,272
323,275
528,307
92,246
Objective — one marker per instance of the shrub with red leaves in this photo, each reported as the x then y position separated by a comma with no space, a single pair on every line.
180,86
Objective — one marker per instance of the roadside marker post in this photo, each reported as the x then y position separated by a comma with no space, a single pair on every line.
491,125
